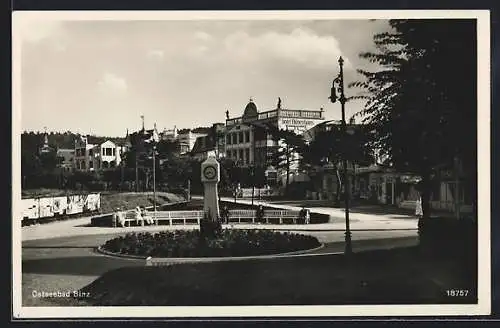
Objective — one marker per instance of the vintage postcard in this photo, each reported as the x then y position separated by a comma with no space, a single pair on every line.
251,164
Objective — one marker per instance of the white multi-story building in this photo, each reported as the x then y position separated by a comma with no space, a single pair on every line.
248,140
187,140
169,134
96,156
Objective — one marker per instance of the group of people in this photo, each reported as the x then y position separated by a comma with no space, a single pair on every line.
305,215
140,213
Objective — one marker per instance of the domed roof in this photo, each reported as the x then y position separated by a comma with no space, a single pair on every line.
250,109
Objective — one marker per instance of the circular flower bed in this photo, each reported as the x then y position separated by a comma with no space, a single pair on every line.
232,243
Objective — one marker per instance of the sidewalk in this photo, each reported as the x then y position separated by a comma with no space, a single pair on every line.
358,222
335,214
80,227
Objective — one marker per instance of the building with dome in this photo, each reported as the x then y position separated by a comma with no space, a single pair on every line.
248,140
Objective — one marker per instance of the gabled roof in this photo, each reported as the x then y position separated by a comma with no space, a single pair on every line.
203,144
95,140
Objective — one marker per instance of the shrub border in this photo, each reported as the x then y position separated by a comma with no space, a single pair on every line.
174,260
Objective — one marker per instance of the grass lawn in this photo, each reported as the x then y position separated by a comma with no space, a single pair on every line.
129,200
45,192
111,200
399,276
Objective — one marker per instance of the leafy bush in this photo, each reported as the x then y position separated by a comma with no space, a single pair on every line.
230,242
210,229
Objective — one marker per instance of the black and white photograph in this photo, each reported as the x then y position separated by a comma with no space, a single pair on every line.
250,163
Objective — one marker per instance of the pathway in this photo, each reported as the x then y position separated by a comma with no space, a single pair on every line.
60,255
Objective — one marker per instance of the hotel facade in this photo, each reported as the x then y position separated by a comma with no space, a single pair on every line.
248,140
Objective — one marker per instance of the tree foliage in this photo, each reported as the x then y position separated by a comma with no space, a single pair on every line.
290,145
421,103
331,145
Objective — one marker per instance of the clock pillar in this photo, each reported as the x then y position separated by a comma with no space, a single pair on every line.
210,176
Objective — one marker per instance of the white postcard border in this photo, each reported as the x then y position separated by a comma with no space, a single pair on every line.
484,248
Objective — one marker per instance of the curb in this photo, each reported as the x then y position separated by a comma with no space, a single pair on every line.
163,261
343,230
102,251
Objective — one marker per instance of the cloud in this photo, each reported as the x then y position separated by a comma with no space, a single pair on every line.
113,82
198,51
156,54
202,36
300,46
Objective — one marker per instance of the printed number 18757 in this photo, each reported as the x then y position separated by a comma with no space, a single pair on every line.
457,292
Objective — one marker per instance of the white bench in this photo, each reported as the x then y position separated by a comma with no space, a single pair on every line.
173,217
282,216
129,218
194,217
270,216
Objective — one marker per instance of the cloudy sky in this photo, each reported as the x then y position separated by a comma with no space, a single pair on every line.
98,77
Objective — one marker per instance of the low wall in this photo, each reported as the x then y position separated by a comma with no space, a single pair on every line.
43,208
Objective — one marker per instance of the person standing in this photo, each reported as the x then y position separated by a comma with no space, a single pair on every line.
260,214
307,216
418,208
225,214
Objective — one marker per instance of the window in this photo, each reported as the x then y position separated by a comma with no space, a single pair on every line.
91,165
83,165
247,136
234,138
228,154
241,154
228,137
114,151
235,155
107,151
247,155
240,137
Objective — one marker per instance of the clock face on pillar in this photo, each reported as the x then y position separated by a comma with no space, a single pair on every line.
210,172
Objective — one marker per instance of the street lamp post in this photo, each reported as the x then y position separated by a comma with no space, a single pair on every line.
342,99
252,172
155,140
154,183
